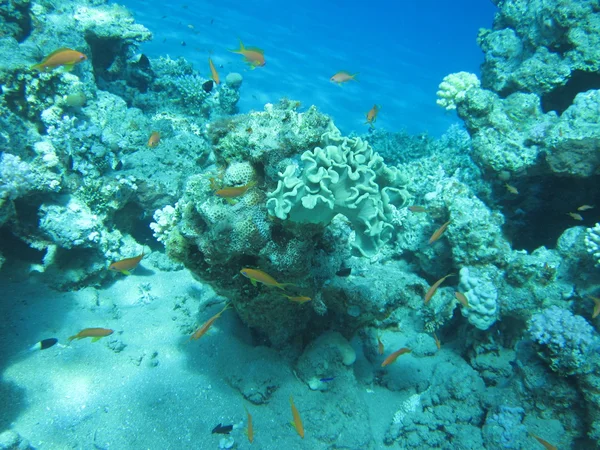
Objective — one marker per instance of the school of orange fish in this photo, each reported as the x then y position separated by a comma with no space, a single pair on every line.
254,57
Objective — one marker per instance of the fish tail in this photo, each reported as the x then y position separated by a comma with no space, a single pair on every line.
240,50
283,285
354,76
39,67
72,337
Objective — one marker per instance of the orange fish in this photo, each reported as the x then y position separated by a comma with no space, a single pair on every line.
61,57
299,299
250,429
209,323
596,306
297,420
154,139
462,298
258,275
234,191
213,72
94,333
575,216
254,57
125,266
394,356
438,233
432,290
547,445
372,115
438,343
343,77
417,209
380,347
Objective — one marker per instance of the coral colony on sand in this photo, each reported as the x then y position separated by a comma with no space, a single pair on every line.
345,236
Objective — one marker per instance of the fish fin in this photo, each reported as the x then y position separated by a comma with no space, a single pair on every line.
125,272
68,67
96,338
58,50
253,281
240,50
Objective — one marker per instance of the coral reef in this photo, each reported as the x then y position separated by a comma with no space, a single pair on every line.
566,341
344,177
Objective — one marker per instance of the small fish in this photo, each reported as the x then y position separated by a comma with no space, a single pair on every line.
596,306
438,233
432,290
209,323
299,299
372,115
44,344
297,420
154,139
417,209
61,57
462,298
585,207
258,275
213,72
344,272
234,191
575,216
207,86
125,266
394,356
327,380
190,26
94,333
253,56
511,189
250,429
438,344
547,445
380,346
222,429
249,130
343,77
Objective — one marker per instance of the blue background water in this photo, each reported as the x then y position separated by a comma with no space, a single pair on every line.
401,49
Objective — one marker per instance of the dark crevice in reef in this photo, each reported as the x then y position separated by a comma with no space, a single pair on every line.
562,97
104,55
131,219
16,16
14,248
539,214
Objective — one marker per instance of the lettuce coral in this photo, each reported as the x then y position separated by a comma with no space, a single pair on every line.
346,177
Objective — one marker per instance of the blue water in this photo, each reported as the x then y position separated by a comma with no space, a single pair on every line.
401,50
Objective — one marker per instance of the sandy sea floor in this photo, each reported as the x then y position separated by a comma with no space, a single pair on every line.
147,387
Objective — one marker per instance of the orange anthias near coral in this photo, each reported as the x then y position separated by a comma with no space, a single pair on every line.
61,57
125,266
254,56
